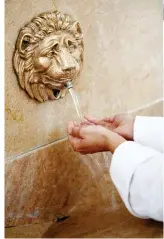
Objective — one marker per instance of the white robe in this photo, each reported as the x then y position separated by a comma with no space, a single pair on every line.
137,169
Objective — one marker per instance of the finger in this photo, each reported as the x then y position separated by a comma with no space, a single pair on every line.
73,129
86,122
75,142
76,124
109,119
108,125
91,119
69,127
102,122
76,132
71,138
106,119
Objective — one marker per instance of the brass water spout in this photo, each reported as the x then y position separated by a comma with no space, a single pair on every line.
69,85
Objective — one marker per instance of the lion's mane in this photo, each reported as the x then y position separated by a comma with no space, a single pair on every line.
28,40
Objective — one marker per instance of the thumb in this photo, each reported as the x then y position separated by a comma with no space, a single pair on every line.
73,130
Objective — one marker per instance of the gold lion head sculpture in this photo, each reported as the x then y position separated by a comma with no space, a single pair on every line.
48,54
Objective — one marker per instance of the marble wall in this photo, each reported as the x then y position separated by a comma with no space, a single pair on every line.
122,72
122,67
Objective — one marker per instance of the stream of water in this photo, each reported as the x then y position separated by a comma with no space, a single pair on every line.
92,161
76,102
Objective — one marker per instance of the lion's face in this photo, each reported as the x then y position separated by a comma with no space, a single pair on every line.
57,60
48,54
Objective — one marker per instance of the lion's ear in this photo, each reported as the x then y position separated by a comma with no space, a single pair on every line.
23,40
77,26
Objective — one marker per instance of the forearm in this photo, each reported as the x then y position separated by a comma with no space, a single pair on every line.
146,193
136,171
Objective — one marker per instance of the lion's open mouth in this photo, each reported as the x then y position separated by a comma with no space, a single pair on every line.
56,93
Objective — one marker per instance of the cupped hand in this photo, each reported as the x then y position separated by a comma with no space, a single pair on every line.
122,124
86,138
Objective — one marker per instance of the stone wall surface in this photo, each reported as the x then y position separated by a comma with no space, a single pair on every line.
45,179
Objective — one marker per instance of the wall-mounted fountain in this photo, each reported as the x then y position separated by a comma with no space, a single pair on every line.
48,55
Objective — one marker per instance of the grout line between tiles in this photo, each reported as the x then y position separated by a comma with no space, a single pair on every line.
145,106
17,156
65,137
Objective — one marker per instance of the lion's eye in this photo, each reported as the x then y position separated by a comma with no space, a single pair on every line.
53,51
50,54
71,46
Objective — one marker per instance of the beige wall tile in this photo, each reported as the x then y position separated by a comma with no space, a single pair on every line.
54,180
122,68
27,231
113,224
152,110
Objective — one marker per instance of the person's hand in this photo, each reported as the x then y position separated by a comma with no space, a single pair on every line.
121,124
92,138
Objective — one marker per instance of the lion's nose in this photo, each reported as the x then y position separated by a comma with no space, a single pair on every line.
67,62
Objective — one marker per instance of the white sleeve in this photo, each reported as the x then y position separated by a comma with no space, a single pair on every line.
136,171
149,131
